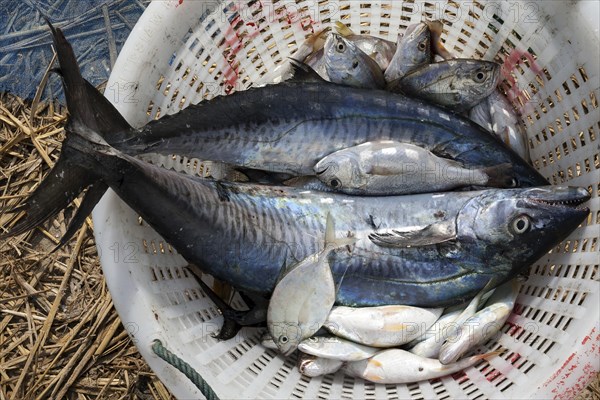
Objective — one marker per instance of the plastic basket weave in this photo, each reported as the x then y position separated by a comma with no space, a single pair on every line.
182,52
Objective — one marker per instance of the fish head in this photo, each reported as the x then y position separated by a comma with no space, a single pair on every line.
340,170
416,44
349,65
512,228
474,80
287,337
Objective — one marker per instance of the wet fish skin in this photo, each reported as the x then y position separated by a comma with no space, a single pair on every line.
347,65
497,115
458,84
384,326
380,50
435,336
244,233
397,366
483,324
436,28
413,50
293,136
388,167
303,298
313,366
336,348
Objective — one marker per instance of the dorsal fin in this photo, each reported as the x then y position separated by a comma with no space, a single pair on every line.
302,72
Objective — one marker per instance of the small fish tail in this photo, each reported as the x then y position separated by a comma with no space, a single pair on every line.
486,356
501,176
342,29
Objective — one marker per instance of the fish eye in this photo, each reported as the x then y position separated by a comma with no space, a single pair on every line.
479,77
512,183
335,183
283,339
521,224
341,47
422,46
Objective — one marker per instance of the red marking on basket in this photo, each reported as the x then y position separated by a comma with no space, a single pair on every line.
514,358
510,63
492,375
460,377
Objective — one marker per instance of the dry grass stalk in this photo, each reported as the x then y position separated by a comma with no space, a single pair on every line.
60,336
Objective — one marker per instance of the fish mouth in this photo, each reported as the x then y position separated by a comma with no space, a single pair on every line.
566,198
320,170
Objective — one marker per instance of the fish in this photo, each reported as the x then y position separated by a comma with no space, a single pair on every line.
347,65
413,50
303,298
267,341
244,233
307,119
432,340
498,116
336,348
384,326
448,325
387,167
483,324
397,366
380,50
313,366
457,84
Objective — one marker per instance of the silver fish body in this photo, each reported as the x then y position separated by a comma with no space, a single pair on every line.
336,348
389,167
313,366
458,84
397,366
380,50
412,51
347,65
303,298
498,116
434,337
483,324
384,326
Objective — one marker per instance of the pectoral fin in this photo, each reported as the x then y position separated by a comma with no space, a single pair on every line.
433,234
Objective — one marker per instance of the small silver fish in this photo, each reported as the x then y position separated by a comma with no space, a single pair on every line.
347,65
336,348
312,366
303,298
483,324
380,50
458,84
434,337
399,366
389,167
412,51
384,326
497,115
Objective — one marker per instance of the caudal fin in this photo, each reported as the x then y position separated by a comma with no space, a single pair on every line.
90,113
501,176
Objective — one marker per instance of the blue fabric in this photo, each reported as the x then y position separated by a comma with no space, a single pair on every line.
25,40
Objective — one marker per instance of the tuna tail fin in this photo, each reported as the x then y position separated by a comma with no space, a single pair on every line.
501,176
331,241
90,115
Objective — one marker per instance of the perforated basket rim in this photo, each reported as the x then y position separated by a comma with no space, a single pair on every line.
146,52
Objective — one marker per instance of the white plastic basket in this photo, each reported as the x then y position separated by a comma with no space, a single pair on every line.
182,52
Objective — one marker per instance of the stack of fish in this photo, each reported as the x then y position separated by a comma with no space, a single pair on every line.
369,170
463,85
